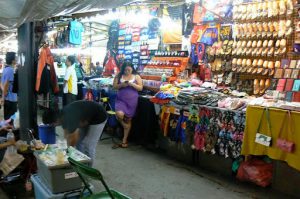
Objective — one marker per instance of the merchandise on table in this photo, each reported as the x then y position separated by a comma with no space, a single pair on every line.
215,131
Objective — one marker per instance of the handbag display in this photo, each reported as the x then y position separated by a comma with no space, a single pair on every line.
261,138
282,143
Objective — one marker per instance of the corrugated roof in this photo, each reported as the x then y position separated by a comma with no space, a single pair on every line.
15,12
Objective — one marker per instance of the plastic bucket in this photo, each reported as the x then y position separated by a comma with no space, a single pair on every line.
47,134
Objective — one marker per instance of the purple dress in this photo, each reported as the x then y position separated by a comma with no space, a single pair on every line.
127,100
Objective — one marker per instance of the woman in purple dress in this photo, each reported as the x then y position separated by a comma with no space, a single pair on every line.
128,83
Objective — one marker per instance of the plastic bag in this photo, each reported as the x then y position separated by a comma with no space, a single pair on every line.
256,171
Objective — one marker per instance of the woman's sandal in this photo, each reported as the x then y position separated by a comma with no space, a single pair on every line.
120,145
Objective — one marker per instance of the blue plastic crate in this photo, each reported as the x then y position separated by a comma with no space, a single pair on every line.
41,191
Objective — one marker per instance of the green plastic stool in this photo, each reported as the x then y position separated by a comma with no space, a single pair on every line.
86,172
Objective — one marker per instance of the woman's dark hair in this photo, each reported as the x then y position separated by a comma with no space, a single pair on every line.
124,65
71,59
10,57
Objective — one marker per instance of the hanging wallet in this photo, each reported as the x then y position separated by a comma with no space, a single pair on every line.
281,85
293,63
295,74
285,63
296,86
289,96
278,73
296,97
289,85
298,64
287,73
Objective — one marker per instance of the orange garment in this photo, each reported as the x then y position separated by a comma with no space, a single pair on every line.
278,122
46,58
165,119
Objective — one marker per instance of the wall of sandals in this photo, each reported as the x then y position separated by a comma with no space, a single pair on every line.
262,48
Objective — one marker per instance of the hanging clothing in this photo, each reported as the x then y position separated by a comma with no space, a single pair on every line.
46,61
45,84
76,28
71,78
110,63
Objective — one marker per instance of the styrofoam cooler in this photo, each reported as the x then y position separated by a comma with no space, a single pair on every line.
41,191
60,178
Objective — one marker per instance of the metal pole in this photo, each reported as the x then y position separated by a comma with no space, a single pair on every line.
27,75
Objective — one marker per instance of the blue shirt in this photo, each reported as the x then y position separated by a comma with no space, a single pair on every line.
8,75
75,32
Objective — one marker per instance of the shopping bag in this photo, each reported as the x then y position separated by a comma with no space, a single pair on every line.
10,162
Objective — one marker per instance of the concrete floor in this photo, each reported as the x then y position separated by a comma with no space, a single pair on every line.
146,174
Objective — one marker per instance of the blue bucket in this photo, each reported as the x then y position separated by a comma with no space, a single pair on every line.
47,134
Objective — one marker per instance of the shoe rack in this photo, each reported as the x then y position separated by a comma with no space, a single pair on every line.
264,33
159,65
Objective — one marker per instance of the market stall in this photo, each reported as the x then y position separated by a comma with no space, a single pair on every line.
221,79
232,57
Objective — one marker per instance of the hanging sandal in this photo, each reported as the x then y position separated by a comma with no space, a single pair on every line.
256,87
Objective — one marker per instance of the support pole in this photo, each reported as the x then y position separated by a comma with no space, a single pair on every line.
27,75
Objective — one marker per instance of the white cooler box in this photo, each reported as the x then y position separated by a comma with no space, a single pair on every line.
41,191
60,178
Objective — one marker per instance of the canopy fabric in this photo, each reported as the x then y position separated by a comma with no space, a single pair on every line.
14,13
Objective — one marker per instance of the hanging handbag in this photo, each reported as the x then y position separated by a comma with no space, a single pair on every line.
262,138
284,144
